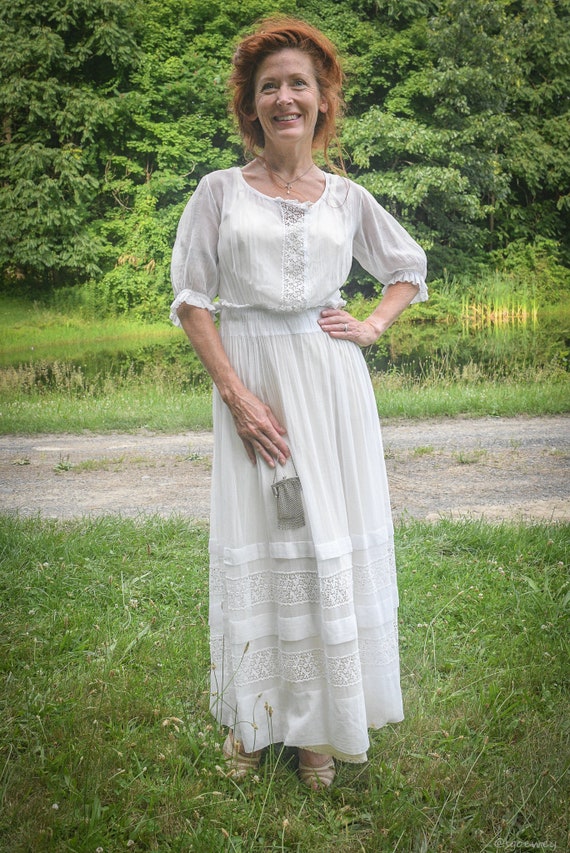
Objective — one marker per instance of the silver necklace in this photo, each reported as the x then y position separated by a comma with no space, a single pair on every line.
286,184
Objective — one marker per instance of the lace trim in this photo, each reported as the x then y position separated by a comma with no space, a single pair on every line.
380,651
375,576
288,589
297,667
413,277
293,588
270,663
189,297
293,295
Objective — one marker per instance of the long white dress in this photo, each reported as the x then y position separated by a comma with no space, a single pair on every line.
304,642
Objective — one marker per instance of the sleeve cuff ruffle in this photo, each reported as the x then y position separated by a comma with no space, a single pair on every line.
413,277
189,297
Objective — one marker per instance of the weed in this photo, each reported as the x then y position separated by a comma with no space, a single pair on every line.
471,457
64,464
423,450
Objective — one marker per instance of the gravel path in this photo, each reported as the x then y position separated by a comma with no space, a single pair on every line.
492,468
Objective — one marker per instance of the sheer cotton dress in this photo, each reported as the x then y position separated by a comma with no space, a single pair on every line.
303,633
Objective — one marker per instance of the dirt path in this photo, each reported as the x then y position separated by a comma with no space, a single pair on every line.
493,468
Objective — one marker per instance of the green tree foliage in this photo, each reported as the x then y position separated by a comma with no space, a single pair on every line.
112,110
63,66
469,143
538,150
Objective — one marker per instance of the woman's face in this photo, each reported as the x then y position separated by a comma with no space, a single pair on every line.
287,100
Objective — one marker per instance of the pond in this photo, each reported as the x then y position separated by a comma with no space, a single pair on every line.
419,348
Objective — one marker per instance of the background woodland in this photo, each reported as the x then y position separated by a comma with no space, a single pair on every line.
457,120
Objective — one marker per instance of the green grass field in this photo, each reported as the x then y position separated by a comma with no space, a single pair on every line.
107,745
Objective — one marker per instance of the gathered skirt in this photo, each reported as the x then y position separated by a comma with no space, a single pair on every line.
303,630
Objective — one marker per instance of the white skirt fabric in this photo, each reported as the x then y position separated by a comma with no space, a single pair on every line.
303,630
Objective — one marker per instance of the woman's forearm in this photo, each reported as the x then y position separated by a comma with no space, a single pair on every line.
395,300
204,337
255,423
340,324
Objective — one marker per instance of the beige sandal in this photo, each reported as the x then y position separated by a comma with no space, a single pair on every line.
321,776
239,763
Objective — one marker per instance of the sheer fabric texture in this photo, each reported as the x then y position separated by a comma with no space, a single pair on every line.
303,631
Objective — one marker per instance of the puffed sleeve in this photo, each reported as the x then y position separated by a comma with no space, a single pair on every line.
194,265
385,249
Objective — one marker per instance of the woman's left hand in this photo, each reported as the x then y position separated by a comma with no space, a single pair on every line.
340,324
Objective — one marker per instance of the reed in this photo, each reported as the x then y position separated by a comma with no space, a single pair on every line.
497,301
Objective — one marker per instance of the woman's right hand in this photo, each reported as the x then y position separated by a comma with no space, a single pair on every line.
258,428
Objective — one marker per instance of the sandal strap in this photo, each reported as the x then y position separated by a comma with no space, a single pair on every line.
322,775
239,762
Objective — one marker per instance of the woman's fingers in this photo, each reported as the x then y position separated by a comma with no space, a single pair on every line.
260,431
335,322
342,325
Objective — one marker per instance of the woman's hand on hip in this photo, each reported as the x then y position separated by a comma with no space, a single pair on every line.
342,325
259,429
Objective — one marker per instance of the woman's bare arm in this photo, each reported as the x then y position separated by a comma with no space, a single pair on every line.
366,332
255,423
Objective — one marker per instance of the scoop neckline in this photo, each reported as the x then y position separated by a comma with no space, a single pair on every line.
294,201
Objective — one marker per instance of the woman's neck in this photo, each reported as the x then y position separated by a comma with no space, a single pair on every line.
288,163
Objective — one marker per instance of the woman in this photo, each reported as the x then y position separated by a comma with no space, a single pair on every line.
303,591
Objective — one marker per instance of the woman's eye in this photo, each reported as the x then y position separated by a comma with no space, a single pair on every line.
267,86
300,83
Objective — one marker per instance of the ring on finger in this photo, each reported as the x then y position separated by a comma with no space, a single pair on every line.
346,327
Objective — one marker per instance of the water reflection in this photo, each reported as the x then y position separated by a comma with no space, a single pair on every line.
497,349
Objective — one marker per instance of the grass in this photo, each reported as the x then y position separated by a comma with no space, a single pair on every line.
159,400
32,326
73,382
106,743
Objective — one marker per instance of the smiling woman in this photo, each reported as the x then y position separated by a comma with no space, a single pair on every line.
325,69
303,591
287,104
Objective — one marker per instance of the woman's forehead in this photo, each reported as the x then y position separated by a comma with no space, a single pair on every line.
287,61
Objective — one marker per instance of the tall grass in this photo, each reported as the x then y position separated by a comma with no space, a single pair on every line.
106,742
497,302
57,397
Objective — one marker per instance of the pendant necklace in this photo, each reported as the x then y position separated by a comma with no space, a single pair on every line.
286,184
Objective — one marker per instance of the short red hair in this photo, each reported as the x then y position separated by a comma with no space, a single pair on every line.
274,34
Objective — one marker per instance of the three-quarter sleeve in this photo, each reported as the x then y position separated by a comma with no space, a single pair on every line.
385,249
194,265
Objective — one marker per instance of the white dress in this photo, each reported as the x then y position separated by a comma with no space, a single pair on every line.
303,633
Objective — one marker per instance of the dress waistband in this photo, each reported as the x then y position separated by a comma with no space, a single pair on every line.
257,322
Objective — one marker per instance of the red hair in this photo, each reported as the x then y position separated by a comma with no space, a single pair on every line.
274,34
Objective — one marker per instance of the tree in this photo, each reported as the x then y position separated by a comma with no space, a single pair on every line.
179,129
64,66
538,151
470,144
112,110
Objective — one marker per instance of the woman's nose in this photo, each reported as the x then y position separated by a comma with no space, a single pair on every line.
284,95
